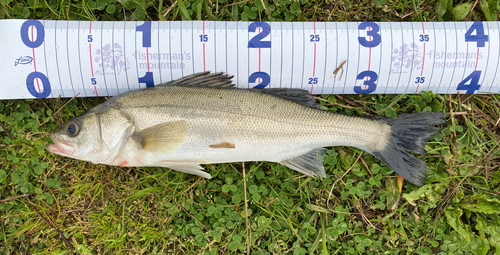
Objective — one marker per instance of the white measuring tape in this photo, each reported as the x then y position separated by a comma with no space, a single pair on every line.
45,58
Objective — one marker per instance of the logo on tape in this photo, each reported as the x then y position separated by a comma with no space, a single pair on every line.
410,57
111,59
23,60
405,58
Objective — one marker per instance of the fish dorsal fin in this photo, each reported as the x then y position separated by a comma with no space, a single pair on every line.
203,79
309,163
222,80
299,96
163,137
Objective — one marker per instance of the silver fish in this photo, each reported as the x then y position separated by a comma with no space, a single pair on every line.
202,119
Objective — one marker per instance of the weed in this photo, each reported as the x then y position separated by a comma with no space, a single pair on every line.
115,210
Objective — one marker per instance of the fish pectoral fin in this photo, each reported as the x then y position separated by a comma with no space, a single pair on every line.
163,137
310,163
187,167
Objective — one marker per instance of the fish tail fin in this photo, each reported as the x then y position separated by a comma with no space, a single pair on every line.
409,133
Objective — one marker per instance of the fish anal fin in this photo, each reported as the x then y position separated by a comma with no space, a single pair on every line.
185,167
310,163
203,79
163,137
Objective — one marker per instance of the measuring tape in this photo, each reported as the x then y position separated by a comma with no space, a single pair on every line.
46,58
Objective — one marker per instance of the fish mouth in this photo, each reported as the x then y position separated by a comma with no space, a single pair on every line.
60,147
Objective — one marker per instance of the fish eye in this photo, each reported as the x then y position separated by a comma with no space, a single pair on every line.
73,128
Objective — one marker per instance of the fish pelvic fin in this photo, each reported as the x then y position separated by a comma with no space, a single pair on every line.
185,167
310,163
409,133
203,79
163,137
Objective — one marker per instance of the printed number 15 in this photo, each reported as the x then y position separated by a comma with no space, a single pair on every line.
203,38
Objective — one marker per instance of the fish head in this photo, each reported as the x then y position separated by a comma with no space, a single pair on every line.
78,138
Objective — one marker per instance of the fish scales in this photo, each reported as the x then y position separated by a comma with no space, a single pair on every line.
267,126
200,120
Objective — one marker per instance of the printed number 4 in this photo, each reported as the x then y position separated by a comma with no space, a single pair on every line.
473,86
479,37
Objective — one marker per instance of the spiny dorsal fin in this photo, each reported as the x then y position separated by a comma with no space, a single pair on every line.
309,163
222,80
299,96
203,79
163,137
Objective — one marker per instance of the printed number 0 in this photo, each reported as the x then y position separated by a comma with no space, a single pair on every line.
40,33
370,82
373,33
30,83
40,37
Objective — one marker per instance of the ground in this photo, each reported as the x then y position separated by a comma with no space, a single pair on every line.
120,210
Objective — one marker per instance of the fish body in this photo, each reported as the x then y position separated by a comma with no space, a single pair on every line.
201,119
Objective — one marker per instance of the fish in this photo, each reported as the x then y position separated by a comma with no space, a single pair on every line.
204,119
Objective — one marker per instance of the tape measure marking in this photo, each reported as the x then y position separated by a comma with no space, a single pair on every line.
411,57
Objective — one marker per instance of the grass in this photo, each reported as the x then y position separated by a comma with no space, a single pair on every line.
260,207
